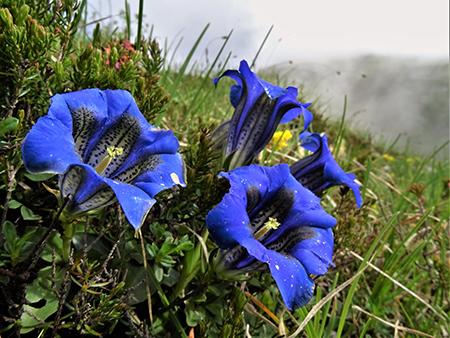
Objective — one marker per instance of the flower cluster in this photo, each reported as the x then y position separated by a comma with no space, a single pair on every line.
271,217
280,138
105,151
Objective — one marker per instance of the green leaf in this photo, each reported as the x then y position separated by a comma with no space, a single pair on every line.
29,323
35,291
13,204
172,277
8,125
167,249
9,231
28,214
39,177
4,279
91,331
41,289
135,275
25,250
29,233
159,273
194,314
185,246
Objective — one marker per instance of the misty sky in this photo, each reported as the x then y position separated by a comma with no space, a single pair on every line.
319,45
303,30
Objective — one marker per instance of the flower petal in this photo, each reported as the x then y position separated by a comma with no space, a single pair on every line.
305,211
227,231
48,147
87,190
135,202
310,141
291,97
219,136
295,285
268,180
315,254
86,112
235,90
90,191
166,171
247,186
281,242
144,153
235,94
234,74
272,91
320,170
334,174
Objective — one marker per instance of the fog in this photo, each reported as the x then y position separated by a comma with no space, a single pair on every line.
389,58
386,95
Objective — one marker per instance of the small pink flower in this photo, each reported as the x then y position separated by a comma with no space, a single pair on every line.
117,64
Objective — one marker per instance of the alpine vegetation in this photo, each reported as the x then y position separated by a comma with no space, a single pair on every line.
142,198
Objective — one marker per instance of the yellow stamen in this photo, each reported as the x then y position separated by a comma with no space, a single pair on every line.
112,153
272,224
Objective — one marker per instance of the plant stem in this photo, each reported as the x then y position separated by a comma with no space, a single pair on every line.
69,231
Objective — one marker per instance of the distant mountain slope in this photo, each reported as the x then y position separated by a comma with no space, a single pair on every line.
386,95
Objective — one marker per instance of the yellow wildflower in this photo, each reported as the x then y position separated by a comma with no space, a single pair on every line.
409,159
388,157
283,137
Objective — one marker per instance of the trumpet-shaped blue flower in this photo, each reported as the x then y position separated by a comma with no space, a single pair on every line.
103,150
268,218
319,171
259,108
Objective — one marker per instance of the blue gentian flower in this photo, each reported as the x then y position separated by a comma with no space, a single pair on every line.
103,150
259,108
319,171
267,217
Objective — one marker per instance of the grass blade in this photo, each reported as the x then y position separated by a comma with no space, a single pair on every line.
205,79
260,47
182,70
140,18
348,300
340,135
